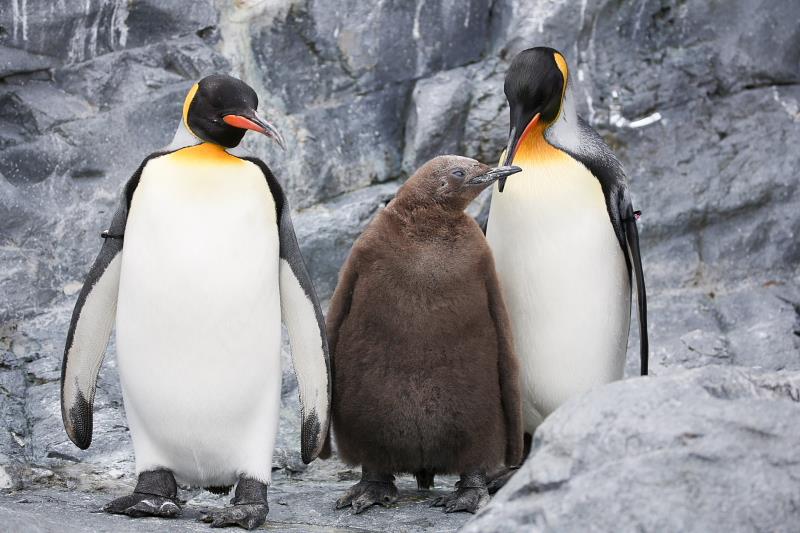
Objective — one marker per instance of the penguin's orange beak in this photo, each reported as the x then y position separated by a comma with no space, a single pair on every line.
257,124
515,138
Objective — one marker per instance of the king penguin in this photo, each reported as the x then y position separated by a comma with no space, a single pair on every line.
564,238
426,376
199,267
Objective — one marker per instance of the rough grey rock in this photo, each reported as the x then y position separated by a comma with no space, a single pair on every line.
439,107
71,32
327,231
712,449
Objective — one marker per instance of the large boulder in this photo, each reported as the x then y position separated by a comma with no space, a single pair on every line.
712,449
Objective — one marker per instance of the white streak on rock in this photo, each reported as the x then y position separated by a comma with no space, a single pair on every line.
790,105
646,121
119,26
24,20
5,479
14,19
415,32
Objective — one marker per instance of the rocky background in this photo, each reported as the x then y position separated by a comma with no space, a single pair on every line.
701,101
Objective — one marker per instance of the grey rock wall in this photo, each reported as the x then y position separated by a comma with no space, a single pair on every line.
700,100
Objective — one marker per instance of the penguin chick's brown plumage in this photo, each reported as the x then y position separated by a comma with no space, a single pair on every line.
425,377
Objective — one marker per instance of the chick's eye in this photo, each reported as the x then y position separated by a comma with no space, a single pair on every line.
459,173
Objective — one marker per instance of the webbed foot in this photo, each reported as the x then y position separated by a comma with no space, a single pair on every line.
470,495
155,495
249,508
248,516
371,490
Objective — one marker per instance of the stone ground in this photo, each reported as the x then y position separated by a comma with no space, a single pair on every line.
301,502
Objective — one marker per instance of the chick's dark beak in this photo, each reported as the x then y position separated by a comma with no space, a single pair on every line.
493,175
250,120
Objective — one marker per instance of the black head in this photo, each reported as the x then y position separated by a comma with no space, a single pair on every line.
535,86
220,109
451,181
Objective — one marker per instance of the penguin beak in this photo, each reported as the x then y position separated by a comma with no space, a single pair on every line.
518,132
499,173
251,121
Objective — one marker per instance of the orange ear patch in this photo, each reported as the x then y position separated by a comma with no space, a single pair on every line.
562,66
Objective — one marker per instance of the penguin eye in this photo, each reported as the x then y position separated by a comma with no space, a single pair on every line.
459,173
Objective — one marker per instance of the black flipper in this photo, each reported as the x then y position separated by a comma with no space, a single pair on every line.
302,314
91,324
632,238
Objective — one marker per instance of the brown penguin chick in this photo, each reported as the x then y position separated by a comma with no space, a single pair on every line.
424,372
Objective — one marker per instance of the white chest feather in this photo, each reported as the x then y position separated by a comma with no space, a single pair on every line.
198,321
564,279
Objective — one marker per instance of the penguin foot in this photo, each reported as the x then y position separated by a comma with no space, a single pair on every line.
155,495
248,516
470,500
371,490
499,481
141,505
470,495
249,509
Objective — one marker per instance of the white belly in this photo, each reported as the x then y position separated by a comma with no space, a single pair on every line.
564,280
198,321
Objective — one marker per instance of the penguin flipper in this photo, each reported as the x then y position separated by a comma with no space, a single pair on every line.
90,327
507,366
302,315
632,240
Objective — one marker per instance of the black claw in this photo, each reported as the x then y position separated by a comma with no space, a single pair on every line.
341,503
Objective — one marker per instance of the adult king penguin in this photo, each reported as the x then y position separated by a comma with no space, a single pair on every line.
199,266
564,238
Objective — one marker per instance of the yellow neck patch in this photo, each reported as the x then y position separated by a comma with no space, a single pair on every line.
561,63
186,104
533,148
204,153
